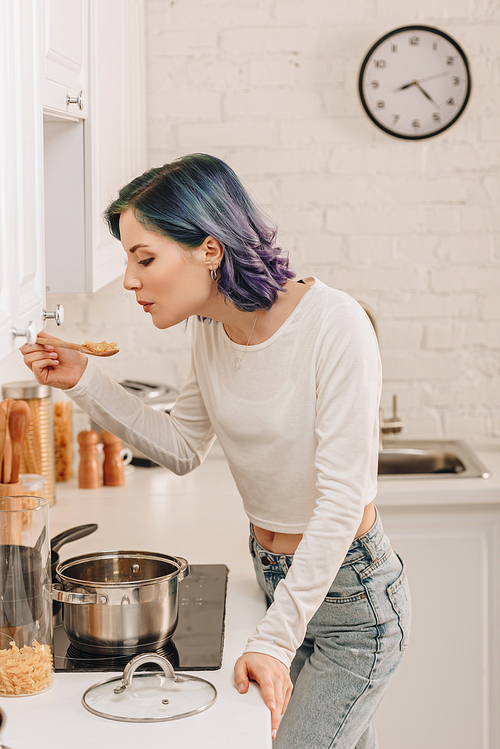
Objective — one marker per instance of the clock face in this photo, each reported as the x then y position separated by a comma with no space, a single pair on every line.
414,82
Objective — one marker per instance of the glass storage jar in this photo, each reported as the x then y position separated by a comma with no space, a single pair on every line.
38,450
25,602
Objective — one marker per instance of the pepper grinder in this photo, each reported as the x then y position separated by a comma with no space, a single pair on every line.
112,469
88,471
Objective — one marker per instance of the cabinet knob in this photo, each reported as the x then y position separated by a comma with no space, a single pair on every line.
57,314
29,333
75,100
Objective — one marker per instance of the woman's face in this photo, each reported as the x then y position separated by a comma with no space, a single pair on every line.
170,283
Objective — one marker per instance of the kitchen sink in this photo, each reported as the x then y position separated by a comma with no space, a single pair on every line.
420,459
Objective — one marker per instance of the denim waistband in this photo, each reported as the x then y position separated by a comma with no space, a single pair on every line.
368,543
365,545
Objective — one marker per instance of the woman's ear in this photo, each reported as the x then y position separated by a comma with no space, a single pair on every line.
212,250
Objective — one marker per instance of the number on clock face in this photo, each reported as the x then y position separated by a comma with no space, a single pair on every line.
414,82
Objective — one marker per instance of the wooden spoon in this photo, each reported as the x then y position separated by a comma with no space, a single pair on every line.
74,347
19,424
6,406
3,433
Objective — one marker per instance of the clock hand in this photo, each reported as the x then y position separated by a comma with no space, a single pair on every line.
426,94
430,77
422,80
408,85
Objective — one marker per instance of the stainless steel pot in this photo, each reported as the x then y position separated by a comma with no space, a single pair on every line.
120,602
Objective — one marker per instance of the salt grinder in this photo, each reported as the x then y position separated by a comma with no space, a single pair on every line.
112,469
88,471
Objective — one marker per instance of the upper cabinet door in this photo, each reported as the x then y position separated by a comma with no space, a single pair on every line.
66,58
87,162
22,271
115,133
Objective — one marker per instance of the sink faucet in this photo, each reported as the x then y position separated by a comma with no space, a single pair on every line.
389,426
394,424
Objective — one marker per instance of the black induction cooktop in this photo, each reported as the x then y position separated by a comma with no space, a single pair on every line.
198,639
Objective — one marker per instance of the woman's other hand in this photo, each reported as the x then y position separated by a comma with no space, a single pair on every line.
59,368
273,678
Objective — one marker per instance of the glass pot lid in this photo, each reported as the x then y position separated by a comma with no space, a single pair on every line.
149,696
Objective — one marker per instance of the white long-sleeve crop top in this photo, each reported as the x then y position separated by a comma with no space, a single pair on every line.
298,423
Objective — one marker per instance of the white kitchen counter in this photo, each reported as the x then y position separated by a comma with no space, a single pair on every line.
200,517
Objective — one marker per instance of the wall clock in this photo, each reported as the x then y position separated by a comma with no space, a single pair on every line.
415,82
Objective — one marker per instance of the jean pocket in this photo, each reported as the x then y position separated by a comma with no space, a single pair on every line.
345,599
399,596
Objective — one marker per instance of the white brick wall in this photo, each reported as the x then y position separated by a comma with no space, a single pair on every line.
412,228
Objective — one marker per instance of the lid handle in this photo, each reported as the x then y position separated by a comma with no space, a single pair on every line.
139,660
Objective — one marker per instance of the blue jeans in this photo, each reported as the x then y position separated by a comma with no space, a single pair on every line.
353,644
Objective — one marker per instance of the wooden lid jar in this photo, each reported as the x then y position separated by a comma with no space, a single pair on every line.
38,450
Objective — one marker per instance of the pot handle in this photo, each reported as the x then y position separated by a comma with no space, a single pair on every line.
139,660
183,569
73,534
69,596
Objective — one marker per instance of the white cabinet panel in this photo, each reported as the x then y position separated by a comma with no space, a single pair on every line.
64,203
115,136
445,694
66,56
111,143
22,284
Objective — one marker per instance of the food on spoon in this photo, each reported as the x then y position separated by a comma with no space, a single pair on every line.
100,348
95,349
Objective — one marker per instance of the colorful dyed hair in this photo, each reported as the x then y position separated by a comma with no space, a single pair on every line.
198,196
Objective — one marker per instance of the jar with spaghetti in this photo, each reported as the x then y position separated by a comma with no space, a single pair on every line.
63,440
38,449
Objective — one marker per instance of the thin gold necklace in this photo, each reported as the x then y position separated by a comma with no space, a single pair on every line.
238,359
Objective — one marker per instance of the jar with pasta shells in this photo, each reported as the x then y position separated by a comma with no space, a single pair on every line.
26,653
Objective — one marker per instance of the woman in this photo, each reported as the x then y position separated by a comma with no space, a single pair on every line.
287,375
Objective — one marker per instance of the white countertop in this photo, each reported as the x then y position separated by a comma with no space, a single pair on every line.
200,517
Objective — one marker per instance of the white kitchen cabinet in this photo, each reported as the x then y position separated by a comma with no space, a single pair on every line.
446,692
87,162
59,171
22,273
66,37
